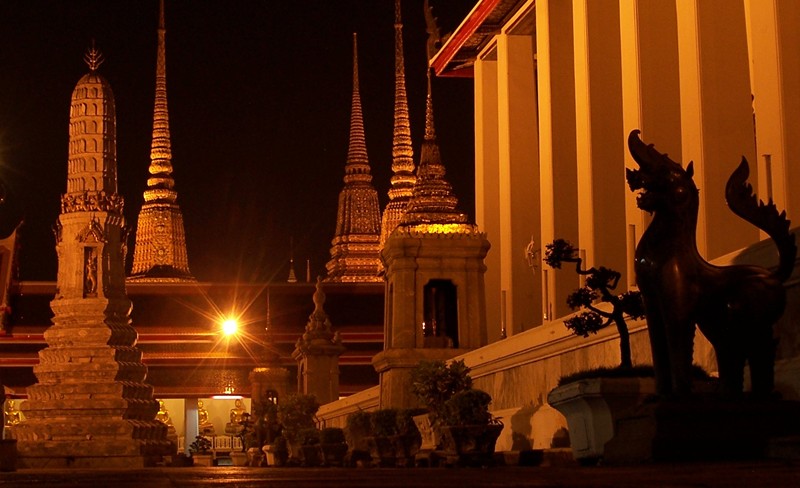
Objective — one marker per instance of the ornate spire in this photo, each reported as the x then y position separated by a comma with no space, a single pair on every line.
432,206
355,250
403,178
160,252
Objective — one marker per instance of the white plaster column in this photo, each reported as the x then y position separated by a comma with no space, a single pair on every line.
774,41
557,151
191,429
519,179
487,182
600,135
716,114
650,93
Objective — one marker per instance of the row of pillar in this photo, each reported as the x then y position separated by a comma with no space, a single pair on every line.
561,86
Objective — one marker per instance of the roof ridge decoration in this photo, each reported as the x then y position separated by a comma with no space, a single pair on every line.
160,250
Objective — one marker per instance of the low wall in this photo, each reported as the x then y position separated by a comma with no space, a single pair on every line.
520,371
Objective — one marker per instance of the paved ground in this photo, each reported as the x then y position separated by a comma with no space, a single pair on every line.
753,474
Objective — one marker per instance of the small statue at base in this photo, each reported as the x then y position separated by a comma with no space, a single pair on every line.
11,414
238,414
205,427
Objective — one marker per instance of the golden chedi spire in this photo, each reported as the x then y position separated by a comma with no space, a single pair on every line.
402,181
90,406
160,250
355,249
433,206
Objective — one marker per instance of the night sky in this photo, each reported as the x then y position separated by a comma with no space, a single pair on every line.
259,99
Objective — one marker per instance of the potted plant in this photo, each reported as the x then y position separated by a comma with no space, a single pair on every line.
278,452
201,451
309,441
296,413
408,440
433,383
594,400
384,429
358,430
469,429
333,446
244,434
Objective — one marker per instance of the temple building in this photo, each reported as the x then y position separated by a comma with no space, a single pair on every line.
90,406
402,180
160,250
355,250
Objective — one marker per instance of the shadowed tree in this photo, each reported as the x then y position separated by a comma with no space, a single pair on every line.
599,286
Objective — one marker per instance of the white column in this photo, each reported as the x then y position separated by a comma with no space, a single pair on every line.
650,92
557,151
487,183
716,114
600,135
519,178
775,75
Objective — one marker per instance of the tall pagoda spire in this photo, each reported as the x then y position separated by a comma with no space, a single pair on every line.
90,406
160,251
432,204
355,249
402,181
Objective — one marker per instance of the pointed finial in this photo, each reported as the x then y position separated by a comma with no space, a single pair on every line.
93,58
430,134
355,62
161,15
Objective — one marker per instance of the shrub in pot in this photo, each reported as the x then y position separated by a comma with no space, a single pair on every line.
434,383
408,440
469,429
384,429
358,430
333,445
296,413
277,452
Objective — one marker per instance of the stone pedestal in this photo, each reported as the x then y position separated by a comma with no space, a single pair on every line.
394,368
701,429
91,407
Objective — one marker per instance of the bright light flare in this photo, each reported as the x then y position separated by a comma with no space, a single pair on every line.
230,327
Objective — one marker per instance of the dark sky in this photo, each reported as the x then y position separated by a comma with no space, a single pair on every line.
259,98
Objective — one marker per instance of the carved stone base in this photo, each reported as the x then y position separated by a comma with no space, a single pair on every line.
703,429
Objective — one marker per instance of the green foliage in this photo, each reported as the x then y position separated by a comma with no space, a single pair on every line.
297,412
331,435
280,445
305,437
599,285
582,297
585,323
632,304
559,251
359,423
470,407
434,382
248,433
405,420
384,422
201,445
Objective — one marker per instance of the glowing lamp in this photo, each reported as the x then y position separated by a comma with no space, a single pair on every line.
230,327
